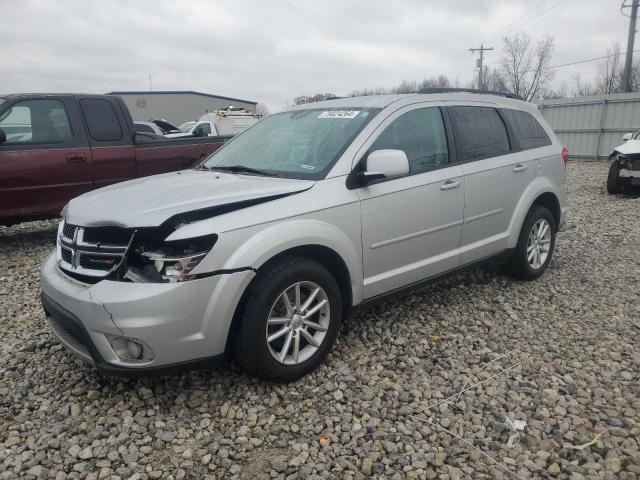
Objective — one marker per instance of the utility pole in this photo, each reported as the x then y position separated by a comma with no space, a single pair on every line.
628,62
481,50
150,84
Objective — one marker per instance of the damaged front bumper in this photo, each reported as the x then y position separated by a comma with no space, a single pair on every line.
183,324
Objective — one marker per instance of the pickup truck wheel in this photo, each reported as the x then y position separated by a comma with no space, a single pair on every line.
290,320
535,245
614,184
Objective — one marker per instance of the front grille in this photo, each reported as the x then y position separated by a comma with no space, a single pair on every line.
68,230
67,256
92,252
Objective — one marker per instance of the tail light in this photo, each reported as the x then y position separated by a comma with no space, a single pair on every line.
565,155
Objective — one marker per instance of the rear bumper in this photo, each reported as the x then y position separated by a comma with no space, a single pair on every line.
185,324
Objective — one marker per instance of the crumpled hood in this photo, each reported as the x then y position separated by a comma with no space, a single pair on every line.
150,201
630,147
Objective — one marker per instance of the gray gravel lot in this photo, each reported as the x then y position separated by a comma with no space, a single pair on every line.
561,353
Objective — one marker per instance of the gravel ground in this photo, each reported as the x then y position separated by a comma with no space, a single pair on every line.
561,353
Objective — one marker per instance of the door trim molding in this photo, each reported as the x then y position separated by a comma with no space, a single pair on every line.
483,215
410,236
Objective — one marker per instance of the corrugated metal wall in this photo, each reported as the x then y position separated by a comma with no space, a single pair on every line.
590,127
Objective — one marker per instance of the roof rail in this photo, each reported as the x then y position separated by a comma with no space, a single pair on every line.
469,90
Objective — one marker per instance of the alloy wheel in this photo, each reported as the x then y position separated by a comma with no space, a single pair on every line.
298,322
539,243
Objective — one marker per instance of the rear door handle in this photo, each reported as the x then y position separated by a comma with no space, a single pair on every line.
76,158
520,168
449,184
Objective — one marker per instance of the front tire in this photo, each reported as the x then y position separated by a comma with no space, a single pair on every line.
535,245
614,184
289,320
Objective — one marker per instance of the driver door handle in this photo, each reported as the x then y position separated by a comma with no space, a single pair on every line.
76,158
520,168
449,184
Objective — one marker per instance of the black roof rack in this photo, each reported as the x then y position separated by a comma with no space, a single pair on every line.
469,90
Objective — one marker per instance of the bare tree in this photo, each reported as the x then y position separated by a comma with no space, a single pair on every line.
562,91
493,80
582,88
408,86
525,66
262,110
610,71
318,97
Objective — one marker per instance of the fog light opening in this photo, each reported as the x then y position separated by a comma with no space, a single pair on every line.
135,349
131,349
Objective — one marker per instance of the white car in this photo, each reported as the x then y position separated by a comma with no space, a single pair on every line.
261,250
625,165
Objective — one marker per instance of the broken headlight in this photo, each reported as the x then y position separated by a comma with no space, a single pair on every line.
169,261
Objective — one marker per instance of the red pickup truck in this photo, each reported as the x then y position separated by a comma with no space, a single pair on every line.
53,147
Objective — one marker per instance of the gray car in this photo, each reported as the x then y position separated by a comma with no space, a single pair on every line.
261,250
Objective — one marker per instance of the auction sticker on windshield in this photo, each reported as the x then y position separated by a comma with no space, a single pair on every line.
339,114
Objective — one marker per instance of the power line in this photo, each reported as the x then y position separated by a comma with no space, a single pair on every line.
551,9
588,60
559,7
461,63
562,52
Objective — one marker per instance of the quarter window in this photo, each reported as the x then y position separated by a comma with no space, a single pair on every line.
480,133
36,121
101,119
421,135
527,130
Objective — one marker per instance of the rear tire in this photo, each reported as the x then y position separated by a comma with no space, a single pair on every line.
278,304
535,245
614,184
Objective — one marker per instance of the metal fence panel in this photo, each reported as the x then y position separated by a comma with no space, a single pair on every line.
591,127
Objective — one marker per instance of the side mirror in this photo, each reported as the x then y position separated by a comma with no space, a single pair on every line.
627,136
386,163
3,136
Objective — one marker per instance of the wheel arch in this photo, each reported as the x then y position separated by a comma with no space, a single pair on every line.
541,192
322,254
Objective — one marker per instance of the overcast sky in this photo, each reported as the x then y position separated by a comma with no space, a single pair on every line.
273,51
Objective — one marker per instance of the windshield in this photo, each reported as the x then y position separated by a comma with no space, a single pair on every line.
299,144
185,127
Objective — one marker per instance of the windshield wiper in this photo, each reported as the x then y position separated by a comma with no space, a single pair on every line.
240,169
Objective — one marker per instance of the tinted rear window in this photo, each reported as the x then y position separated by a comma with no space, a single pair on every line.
101,119
527,130
479,132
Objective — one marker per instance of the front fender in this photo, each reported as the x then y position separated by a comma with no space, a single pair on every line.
254,246
536,188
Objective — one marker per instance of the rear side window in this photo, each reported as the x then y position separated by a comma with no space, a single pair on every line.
527,130
101,119
480,133
141,127
421,135
36,121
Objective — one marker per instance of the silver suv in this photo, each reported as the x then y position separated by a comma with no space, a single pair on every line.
264,248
